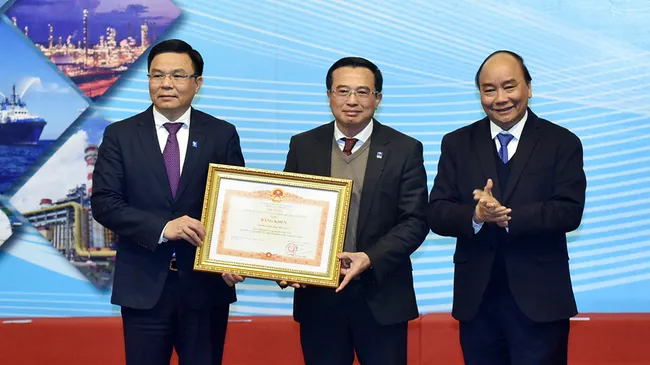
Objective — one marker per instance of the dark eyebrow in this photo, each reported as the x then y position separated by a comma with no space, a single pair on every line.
348,87
173,71
509,81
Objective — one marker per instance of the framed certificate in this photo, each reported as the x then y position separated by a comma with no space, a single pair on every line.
274,225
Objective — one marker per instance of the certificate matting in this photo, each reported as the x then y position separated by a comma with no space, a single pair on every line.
274,225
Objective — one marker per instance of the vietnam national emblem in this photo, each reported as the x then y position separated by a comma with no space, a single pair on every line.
277,195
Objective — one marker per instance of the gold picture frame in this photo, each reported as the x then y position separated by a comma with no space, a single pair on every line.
274,225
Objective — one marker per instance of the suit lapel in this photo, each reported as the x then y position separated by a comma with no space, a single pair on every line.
485,149
151,147
374,169
529,137
197,135
321,153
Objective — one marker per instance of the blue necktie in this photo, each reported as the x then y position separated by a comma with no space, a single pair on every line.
504,139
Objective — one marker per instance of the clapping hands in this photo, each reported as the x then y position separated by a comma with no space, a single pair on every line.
488,209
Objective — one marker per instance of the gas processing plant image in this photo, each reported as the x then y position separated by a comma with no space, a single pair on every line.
56,200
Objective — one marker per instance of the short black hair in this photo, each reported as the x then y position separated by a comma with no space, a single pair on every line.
177,46
355,62
519,59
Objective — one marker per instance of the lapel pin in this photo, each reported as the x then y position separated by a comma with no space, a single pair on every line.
195,144
379,155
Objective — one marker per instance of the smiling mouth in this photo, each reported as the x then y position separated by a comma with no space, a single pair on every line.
501,111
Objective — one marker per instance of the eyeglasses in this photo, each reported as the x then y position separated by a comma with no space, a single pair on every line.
361,94
158,78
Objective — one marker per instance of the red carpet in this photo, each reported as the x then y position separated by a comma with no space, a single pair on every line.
604,339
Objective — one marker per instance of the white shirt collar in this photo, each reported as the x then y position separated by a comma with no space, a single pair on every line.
515,130
160,119
362,136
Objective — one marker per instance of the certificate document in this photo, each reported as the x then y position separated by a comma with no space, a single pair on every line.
274,225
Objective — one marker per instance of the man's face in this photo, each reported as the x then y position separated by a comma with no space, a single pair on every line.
358,108
504,91
172,92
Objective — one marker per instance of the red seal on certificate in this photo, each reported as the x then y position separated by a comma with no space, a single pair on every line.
277,195
291,248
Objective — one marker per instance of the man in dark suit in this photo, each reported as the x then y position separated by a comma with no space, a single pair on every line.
369,311
512,289
148,187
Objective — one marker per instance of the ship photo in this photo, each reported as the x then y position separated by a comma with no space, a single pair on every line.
17,125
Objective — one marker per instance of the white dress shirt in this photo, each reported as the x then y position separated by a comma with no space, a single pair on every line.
183,134
512,148
516,134
362,136
183,137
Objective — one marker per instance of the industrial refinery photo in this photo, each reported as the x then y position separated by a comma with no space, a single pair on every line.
93,43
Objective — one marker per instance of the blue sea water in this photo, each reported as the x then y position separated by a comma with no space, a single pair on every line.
18,160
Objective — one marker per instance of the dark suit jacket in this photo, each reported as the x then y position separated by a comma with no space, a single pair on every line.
546,192
392,219
132,197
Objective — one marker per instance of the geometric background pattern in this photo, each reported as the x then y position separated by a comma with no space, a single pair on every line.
265,71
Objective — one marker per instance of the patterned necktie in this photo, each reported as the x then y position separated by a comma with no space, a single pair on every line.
172,156
349,144
504,139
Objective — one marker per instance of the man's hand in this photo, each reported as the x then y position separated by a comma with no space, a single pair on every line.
185,228
352,265
283,284
488,209
232,279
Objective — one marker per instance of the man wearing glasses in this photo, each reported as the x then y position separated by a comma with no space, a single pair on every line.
368,313
148,187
